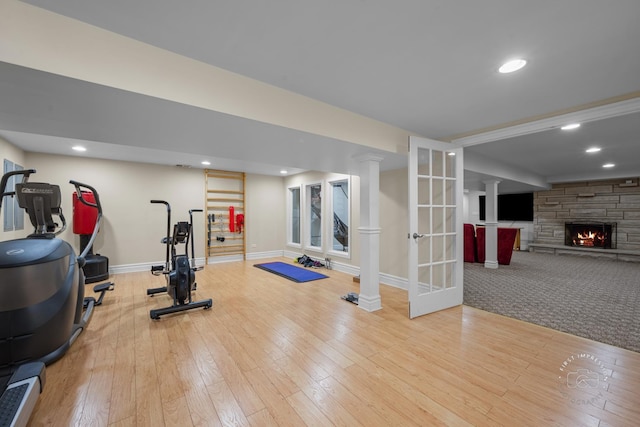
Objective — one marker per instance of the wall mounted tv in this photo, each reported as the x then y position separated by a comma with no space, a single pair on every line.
511,207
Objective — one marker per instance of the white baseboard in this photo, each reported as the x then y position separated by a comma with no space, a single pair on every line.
395,281
345,268
291,254
225,258
133,268
263,255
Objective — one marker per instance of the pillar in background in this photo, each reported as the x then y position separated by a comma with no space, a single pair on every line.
369,297
491,224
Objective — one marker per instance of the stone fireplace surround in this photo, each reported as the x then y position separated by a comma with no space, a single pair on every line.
615,200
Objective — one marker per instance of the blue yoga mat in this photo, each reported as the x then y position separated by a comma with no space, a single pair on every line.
291,272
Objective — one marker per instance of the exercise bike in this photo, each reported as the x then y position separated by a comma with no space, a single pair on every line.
42,305
179,269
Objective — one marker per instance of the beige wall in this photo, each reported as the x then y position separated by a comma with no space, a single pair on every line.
17,156
133,227
265,206
394,221
10,152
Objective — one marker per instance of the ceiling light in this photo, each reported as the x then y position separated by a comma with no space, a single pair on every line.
570,126
283,172
593,149
206,162
451,153
511,66
608,165
78,148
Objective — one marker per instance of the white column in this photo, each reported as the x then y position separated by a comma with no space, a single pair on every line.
491,224
369,297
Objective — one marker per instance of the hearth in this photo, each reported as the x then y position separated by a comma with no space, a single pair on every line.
591,234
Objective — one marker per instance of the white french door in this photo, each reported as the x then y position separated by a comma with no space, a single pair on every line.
435,226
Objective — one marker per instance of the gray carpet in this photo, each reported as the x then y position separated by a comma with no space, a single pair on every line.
588,297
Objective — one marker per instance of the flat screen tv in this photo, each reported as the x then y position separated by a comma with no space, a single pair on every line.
511,207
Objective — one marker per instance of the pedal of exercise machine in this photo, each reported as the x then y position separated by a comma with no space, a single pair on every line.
102,288
20,394
157,270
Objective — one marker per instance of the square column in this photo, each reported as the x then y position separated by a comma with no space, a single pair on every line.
369,297
491,224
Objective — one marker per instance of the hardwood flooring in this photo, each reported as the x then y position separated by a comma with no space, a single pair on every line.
271,352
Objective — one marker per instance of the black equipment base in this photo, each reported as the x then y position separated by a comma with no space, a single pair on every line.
206,304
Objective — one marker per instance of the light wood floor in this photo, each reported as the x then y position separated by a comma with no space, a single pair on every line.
275,352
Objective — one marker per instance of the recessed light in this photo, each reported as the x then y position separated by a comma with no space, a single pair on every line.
608,165
511,66
570,126
78,148
593,149
283,172
206,162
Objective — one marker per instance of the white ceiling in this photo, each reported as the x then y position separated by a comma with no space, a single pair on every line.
425,66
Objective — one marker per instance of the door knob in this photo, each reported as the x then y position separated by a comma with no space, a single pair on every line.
417,236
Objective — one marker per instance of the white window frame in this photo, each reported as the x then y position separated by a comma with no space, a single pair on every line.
290,241
329,218
307,216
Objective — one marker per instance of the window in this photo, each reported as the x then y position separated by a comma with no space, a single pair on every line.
314,215
294,216
13,215
341,214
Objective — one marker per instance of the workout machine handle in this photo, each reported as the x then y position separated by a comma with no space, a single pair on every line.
79,186
162,202
168,244
5,178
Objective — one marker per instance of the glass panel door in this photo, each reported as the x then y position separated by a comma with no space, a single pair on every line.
435,226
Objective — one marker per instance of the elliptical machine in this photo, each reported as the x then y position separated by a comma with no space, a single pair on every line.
42,305
179,269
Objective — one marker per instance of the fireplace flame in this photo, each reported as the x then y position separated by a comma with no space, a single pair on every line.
598,235
587,239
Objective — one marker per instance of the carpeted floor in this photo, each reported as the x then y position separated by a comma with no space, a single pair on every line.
592,298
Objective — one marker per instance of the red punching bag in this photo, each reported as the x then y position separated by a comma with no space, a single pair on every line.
84,217
232,217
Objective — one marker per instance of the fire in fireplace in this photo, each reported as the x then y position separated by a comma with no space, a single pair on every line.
590,234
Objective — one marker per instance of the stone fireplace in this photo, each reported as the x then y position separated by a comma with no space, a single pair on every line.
598,205
591,234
